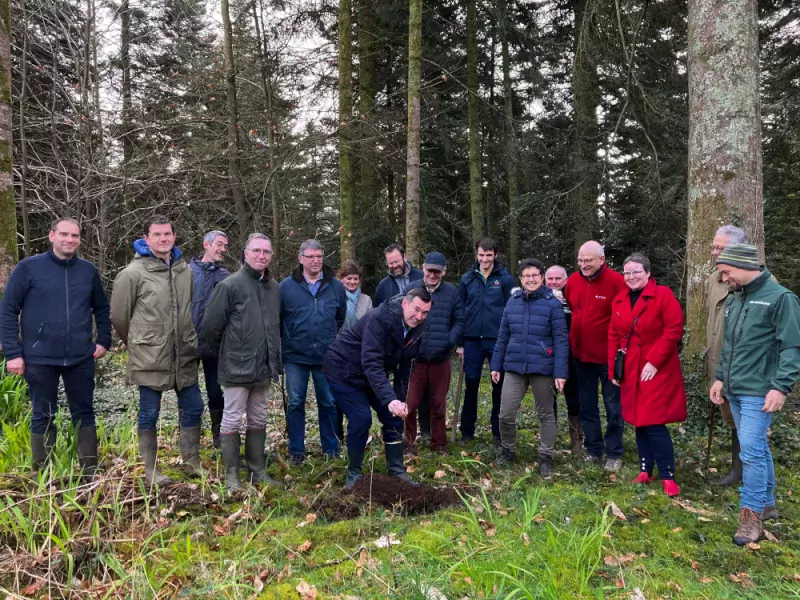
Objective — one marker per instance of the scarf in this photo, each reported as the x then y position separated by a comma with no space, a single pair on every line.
352,302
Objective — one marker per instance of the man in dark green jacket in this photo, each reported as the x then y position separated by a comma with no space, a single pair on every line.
242,327
758,367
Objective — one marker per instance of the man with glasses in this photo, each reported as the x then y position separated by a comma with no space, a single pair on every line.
589,293
208,272
401,274
313,309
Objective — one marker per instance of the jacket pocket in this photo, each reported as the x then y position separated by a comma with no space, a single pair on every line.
241,367
148,350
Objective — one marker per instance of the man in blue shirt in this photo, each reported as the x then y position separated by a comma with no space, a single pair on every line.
57,294
313,309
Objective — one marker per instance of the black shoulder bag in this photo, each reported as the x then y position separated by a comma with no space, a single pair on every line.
619,359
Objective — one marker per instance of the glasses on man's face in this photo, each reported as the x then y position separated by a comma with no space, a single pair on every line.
586,261
717,248
312,257
632,273
534,276
259,252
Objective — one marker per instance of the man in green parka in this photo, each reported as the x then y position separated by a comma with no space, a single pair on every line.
151,306
758,367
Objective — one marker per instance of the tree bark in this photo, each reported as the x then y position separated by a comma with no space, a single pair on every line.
510,141
413,244
234,173
23,140
347,193
725,178
366,106
585,101
473,117
127,106
8,210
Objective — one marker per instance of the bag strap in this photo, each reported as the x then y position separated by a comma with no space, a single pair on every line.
631,332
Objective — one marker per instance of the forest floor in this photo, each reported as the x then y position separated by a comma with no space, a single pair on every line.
487,533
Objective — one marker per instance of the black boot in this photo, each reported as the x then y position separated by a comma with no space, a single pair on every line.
229,446
87,451
734,477
216,421
41,448
394,463
148,448
256,458
546,466
354,459
190,449
506,457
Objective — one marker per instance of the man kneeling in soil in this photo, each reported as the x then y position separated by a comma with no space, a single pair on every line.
356,367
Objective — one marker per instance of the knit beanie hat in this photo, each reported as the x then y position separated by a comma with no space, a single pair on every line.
741,256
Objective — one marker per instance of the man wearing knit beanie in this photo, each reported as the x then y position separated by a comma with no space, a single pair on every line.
758,367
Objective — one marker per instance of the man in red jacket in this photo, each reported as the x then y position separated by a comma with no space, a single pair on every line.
589,293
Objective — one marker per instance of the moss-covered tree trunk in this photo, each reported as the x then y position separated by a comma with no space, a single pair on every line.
474,122
347,192
8,209
725,180
413,244
366,106
510,140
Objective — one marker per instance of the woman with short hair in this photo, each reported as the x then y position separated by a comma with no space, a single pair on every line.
358,303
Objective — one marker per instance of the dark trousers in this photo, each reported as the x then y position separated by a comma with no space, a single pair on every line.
429,381
190,406
589,375
571,395
216,399
358,404
43,388
475,352
655,446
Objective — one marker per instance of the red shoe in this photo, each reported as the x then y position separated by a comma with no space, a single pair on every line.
643,477
671,488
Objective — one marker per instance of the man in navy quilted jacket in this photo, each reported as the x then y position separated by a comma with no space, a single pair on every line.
430,377
57,294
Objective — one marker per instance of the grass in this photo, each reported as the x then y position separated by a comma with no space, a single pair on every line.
513,537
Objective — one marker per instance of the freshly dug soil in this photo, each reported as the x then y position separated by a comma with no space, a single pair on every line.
386,492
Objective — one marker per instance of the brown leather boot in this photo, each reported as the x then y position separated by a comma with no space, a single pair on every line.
750,528
575,434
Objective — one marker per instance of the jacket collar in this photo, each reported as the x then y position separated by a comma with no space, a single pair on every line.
327,274
143,250
758,282
648,291
206,266
597,274
541,292
62,262
404,274
255,274
497,269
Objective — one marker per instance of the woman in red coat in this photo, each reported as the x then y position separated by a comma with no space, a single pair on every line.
647,324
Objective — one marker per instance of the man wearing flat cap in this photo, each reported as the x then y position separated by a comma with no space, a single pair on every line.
758,367
430,377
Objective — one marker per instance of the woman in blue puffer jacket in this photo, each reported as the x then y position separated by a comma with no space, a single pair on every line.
533,349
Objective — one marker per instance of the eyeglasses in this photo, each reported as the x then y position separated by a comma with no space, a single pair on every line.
718,248
587,260
309,257
259,252
632,273
534,276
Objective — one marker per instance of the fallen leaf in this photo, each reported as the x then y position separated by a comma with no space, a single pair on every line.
386,540
307,592
770,536
675,555
32,588
305,546
685,505
645,521
526,539
695,565
486,484
754,546
285,573
617,561
410,469
439,474
258,585
221,529
705,579
677,529
704,519
617,512
432,593
612,477
637,594
491,531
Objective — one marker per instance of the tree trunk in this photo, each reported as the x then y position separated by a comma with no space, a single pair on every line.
510,140
127,117
413,244
347,192
8,209
234,174
366,106
725,179
475,184
23,140
585,101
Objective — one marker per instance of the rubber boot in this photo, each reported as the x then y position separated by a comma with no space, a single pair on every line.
216,421
87,451
190,448
734,476
41,448
256,458
148,448
575,434
354,458
394,463
229,446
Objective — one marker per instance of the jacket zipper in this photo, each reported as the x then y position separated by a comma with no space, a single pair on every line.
733,337
66,286
174,310
525,334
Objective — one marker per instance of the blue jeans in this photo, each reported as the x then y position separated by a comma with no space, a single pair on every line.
758,471
297,388
216,399
358,404
43,388
476,351
589,374
190,405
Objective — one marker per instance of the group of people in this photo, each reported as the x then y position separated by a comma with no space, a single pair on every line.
594,329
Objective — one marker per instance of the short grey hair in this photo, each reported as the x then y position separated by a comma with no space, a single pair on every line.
556,268
734,234
256,236
310,245
214,234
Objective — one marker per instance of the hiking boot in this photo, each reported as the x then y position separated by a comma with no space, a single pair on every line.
670,487
229,447
592,460
190,449
506,457
546,466
770,513
394,463
750,528
643,478
575,435
297,459
734,476
87,452
148,448
216,422
613,465
41,448
466,439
